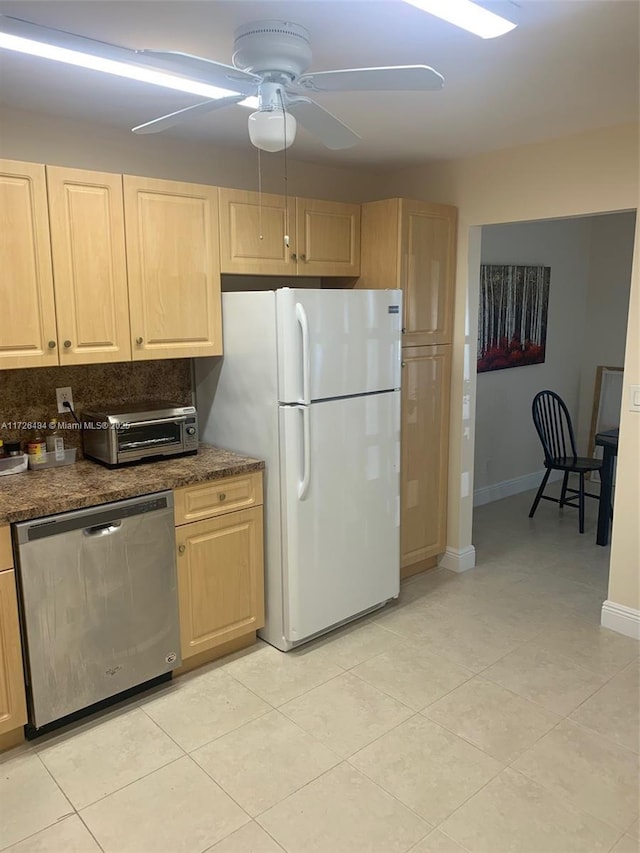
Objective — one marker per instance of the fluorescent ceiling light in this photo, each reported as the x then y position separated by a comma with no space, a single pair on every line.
252,102
467,15
110,66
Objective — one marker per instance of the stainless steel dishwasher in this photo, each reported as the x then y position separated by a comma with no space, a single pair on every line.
99,603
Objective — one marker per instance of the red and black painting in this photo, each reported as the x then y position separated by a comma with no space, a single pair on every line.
512,322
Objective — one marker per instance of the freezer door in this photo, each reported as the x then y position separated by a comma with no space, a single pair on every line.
340,510
334,343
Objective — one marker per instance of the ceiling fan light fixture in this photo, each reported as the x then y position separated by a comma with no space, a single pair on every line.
466,15
272,130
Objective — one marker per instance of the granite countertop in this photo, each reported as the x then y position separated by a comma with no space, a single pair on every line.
37,493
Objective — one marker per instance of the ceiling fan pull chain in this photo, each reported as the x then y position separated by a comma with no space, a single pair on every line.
260,235
286,189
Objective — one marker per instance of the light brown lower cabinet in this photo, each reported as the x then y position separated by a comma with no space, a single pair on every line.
13,708
426,374
220,577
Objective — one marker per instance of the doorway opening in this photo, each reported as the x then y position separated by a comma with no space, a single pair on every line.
590,261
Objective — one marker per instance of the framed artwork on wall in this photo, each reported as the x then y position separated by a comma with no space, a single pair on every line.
512,321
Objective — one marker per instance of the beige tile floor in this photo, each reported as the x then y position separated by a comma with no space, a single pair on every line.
486,712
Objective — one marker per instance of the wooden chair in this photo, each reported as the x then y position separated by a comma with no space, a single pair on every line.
553,425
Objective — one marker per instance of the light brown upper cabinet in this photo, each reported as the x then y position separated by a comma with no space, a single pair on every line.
80,230
27,316
174,268
426,374
253,231
89,265
327,238
411,245
323,236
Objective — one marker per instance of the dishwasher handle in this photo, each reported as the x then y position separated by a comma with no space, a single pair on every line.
102,529
93,518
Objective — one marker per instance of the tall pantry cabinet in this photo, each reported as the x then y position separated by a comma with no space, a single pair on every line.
411,245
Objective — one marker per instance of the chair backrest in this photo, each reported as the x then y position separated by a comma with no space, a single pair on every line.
553,424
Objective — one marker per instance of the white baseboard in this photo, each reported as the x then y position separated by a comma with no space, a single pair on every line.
618,617
524,483
458,561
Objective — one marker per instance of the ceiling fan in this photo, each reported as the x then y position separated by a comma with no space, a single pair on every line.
270,59
269,70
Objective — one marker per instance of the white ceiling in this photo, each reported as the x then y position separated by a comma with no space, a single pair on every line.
570,66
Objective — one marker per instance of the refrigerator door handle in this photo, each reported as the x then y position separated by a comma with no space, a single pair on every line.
303,485
301,317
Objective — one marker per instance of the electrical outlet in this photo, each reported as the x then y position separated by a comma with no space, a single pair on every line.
64,395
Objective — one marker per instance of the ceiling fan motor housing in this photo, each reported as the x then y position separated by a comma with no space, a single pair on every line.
276,47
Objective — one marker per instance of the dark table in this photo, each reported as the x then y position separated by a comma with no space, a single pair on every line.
608,440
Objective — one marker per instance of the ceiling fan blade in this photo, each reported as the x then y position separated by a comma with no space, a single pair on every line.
164,122
180,64
49,35
322,124
200,68
395,78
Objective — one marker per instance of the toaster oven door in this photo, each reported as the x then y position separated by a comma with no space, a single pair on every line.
140,439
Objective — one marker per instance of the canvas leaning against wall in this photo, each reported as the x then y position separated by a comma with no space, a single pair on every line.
512,322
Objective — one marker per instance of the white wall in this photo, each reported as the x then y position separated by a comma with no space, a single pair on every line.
507,446
624,572
40,138
605,330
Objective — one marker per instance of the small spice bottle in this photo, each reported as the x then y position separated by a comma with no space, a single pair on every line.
3,452
37,448
13,448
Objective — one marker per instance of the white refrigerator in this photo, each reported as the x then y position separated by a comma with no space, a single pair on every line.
310,382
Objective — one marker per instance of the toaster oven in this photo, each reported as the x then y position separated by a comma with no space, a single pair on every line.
139,432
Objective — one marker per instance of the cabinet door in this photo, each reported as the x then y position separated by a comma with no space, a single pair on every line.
253,228
13,710
327,238
380,244
426,376
220,579
174,268
89,266
428,236
6,552
27,315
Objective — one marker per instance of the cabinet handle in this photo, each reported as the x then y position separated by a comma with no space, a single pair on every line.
181,549
294,257
67,344
222,496
403,363
404,331
139,341
303,257
51,344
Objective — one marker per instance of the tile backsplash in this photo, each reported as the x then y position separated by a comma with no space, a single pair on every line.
29,396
